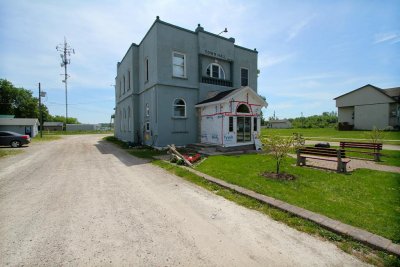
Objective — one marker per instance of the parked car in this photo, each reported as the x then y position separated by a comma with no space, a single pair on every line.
12,139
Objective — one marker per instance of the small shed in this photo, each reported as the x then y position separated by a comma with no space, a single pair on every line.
53,126
279,124
20,125
231,118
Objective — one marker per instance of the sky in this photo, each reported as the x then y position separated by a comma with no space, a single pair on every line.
309,52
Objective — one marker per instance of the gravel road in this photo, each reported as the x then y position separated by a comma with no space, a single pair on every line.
81,201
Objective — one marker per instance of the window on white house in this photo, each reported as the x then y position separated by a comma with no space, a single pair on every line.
215,70
244,77
178,65
255,126
230,124
147,126
179,108
120,120
147,109
120,88
242,108
124,121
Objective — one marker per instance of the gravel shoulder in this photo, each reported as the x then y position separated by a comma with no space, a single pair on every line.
83,201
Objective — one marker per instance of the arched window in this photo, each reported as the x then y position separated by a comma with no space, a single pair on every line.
242,108
179,108
215,70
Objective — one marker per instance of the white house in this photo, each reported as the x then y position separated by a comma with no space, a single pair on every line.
231,118
21,126
369,106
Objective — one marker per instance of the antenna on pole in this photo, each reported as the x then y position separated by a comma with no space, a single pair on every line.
65,54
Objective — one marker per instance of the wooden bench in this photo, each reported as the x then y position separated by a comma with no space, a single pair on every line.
362,147
327,154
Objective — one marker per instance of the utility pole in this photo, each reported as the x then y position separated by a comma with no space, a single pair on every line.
65,50
41,94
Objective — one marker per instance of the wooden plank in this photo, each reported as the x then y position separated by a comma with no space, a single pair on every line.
172,148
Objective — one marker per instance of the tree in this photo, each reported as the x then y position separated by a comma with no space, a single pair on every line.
19,102
59,118
279,147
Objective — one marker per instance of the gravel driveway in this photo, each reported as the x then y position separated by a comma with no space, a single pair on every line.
82,201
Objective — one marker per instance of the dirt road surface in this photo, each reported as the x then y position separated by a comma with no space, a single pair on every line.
81,201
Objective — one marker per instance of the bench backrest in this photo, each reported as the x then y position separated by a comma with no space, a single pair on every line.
324,152
375,146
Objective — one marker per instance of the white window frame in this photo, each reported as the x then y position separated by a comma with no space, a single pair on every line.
147,126
147,109
220,70
184,64
175,105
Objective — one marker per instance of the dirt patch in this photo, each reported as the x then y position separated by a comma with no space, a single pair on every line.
280,176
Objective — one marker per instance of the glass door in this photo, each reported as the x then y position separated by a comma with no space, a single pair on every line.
243,129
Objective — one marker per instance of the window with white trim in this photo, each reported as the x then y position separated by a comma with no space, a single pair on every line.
215,70
147,126
255,125
179,108
147,109
178,65
129,119
244,77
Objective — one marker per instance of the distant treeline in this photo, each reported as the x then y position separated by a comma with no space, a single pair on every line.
326,120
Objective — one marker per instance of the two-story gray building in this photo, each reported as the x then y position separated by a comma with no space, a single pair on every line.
179,86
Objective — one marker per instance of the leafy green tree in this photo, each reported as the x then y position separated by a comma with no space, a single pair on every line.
19,102
59,118
278,147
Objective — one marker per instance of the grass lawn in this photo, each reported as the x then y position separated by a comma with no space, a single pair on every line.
331,134
140,152
5,152
365,198
45,138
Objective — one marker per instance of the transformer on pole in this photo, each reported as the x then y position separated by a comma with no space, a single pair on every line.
66,51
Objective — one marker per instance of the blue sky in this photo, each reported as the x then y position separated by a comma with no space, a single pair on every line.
309,51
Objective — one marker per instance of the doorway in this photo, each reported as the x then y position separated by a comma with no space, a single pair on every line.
243,133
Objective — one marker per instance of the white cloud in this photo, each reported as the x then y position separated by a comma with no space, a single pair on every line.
393,37
266,60
298,27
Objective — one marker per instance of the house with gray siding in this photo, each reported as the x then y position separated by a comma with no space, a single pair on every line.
368,107
171,85
26,126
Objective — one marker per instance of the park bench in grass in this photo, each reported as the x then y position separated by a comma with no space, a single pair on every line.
365,148
327,154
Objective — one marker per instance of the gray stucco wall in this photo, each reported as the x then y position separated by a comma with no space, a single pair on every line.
161,88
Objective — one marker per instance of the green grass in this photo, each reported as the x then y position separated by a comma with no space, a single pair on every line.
140,152
365,198
75,132
331,134
45,138
388,157
6,152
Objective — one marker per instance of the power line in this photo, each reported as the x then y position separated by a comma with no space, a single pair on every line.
65,50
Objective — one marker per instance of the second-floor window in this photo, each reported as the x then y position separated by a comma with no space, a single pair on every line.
215,70
178,65
129,80
147,69
244,77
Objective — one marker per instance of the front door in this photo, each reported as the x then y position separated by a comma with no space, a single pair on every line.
243,129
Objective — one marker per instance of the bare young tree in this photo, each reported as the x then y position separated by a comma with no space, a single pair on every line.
278,147
376,135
